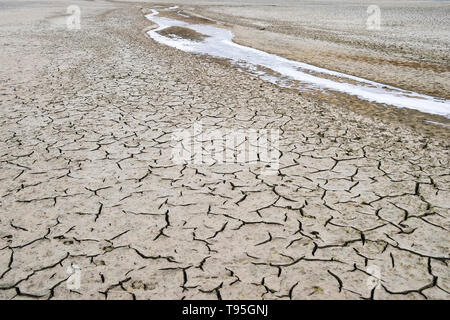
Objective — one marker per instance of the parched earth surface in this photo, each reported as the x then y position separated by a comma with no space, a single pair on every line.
359,207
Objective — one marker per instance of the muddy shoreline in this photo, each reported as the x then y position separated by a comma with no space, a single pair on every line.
333,35
406,115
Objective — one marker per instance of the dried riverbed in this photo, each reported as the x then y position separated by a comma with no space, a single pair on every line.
88,177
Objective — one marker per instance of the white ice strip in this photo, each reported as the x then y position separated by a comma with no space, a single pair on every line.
181,14
219,44
438,123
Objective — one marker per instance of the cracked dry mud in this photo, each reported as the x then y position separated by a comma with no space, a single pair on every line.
87,179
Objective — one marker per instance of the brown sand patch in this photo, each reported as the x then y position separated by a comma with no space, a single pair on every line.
422,77
397,62
181,32
186,16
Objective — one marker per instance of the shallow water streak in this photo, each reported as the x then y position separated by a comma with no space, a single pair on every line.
218,43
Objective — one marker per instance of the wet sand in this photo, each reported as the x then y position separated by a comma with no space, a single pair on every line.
88,178
410,50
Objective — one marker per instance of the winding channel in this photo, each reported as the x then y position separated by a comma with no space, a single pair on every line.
219,43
